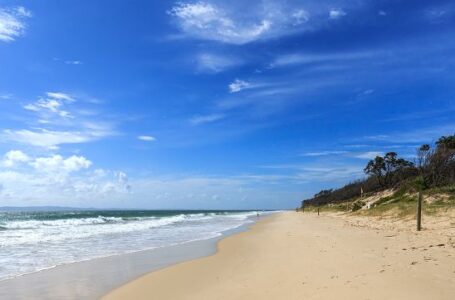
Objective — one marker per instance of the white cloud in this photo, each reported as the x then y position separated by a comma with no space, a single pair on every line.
58,164
146,138
303,58
368,155
241,22
208,21
323,171
6,96
336,14
57,122
68,62
51,139
12,23
239,85
51,104
417,136
214,63
197,120
14,157
23,12
329,174
59,180
300,16
292,59
323,153
60,96
73,62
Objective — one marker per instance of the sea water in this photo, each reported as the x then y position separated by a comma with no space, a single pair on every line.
33,241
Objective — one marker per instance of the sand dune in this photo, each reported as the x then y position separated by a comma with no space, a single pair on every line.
302,256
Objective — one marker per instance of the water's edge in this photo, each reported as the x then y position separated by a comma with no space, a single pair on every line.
94,278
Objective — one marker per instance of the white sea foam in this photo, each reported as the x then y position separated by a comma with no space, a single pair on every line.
28,245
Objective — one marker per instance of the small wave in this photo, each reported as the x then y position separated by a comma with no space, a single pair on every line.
36,224
32,244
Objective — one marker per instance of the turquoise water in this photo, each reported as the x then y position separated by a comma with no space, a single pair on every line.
33,241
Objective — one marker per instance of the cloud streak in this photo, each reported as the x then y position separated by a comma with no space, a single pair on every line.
205,20
215,63
146,138
239,85
51,139
12,23
198,120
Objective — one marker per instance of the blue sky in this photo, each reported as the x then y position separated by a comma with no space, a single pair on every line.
214,104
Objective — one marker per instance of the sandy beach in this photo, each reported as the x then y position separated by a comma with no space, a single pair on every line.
304,256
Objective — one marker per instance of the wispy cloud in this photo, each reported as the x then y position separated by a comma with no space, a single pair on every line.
6,96
146,138
368,154
52,103
336,13
73,62
323,153
208,21
310,58
242,22
215,63
60,96
300,16
69,61
12,23
51,139
322,171
197,120
414,136
239,85
328,174
57,123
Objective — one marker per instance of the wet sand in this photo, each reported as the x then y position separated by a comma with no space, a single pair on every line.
92,279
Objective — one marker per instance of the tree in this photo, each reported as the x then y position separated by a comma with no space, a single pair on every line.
423,156
446,142
442,162
388,168
376,168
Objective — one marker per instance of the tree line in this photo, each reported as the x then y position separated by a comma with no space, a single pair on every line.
434,166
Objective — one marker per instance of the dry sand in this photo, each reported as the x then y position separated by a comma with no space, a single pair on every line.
302,256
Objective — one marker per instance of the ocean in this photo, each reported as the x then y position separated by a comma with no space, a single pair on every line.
34,241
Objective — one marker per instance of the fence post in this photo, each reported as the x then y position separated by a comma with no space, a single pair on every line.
318,210
419,212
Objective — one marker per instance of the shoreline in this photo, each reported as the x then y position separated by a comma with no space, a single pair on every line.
87,279
293,256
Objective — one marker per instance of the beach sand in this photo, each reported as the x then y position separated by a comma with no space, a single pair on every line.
294,255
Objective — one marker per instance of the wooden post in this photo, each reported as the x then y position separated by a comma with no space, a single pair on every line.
318,210
419,212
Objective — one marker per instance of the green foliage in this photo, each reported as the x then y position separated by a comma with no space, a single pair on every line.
447,142
387,167
357,205
434,169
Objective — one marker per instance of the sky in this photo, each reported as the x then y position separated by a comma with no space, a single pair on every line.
214,104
